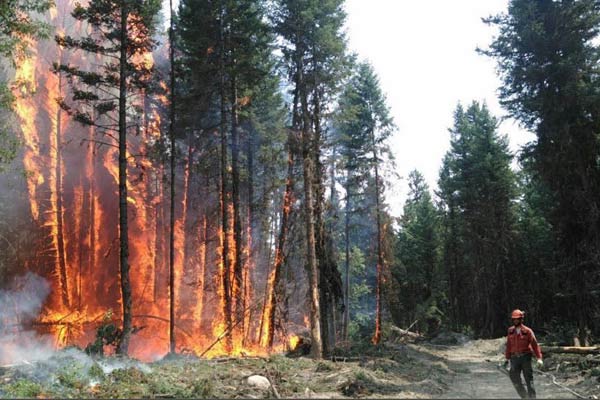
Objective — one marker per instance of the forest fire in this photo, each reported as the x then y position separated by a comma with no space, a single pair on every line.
190,188
72,185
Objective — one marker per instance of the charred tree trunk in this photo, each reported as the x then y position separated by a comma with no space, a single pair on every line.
123,229
204,262
187,241
60,238
92,256
249,227
227,309
172,184
250,155
238,270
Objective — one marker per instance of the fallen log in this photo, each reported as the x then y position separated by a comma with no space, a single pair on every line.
570,350
404,332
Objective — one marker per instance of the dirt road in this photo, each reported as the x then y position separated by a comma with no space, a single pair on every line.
478,375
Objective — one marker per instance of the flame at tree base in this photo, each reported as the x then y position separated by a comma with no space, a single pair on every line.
72,188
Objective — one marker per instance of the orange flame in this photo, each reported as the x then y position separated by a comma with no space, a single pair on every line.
78,186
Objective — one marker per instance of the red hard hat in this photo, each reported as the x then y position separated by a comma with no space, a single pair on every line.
517,314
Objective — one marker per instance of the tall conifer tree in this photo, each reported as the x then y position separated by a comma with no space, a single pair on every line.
477,188
549,60
417,250
364,125
122,35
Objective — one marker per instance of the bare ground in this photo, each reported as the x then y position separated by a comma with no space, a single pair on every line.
479,375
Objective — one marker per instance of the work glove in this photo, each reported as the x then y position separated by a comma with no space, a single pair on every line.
506,365
540,363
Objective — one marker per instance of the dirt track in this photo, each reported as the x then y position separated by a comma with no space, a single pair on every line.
478,374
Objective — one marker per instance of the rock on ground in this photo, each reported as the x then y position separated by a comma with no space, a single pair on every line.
259,381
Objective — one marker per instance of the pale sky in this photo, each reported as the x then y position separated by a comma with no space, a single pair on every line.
424,54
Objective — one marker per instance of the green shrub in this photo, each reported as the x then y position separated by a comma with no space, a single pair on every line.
96,372
72,376
203,389
23,389
107,334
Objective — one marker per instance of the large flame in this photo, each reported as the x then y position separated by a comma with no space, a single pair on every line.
72,176
25,78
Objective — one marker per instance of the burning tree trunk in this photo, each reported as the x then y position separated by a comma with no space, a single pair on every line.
272,295
380,259
123,232
159,247
204,258
172,185
186,225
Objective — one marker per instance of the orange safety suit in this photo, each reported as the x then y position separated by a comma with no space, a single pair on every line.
522,343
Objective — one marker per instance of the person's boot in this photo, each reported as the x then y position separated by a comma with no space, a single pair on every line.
531,390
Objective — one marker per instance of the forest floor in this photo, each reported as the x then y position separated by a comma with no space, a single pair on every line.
464,369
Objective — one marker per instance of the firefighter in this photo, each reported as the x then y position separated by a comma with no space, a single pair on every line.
521,345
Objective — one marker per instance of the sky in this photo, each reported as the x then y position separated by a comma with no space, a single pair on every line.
424,54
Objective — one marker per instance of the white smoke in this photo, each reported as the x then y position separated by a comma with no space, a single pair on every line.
20,304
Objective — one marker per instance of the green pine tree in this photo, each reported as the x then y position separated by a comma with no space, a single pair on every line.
549,60
478,190
417,252
18,27
364,124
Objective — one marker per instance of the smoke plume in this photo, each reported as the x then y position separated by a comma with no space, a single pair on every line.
20,305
